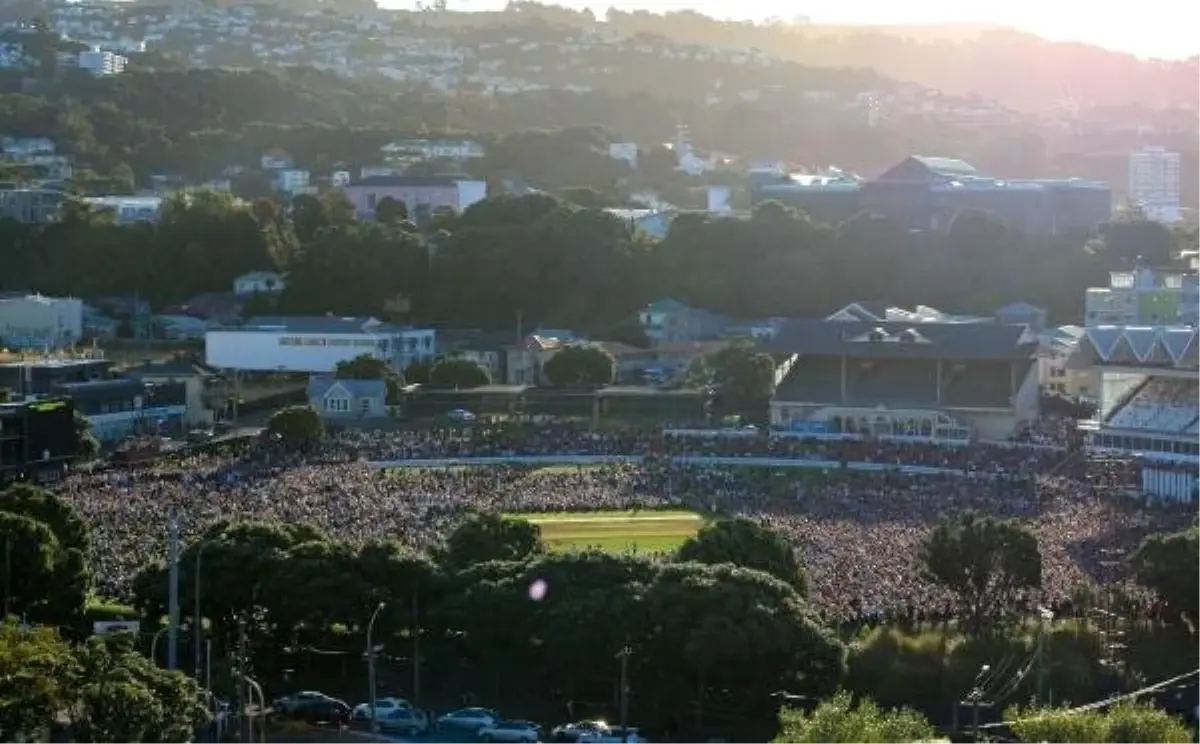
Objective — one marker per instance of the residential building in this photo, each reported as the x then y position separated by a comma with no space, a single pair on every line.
523,362
1154,174
179,327
276,159
670,320
1143,296
128,210
37,322
31,206
652,222
1189,310
347,400
255,282
421,194
100,63
292,181
315,344
927,193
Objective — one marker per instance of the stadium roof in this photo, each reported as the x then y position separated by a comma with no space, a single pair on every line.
927,340
1159,346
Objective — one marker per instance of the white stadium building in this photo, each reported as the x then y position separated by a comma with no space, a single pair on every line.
314,344
1149,393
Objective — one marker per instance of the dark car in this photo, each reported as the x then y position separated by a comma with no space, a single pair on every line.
321,710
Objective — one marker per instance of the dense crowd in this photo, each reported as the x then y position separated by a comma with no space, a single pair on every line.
856,533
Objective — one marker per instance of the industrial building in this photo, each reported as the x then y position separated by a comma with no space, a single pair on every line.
38,322
314,344
926,194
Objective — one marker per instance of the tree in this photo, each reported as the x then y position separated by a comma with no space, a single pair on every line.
37,672
1169,565
45,545
744,380
487,536
296,427
390,211
747,543
458,373
1122,723
987,562
123,696
580,364
86,444
362,367
840,719
417,373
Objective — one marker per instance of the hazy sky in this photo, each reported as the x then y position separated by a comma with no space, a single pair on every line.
1147,28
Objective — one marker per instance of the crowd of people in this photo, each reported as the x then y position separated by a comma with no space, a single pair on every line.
856,533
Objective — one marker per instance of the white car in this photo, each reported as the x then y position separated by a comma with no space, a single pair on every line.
614,735
525,732
469,719
407,721
383,708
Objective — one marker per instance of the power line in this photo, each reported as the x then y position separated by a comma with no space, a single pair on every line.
1104,703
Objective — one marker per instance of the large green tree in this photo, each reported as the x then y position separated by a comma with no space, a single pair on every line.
747,543
1170,566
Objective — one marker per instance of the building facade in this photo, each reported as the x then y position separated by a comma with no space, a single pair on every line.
315,344
421,195
927,193
37,322
1144,296
1154,183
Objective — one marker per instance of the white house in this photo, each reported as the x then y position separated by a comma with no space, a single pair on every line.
275,159
35,321
256,282
291,180
427,149
314,344
627,151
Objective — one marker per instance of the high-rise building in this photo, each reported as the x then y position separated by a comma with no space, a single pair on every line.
1154,183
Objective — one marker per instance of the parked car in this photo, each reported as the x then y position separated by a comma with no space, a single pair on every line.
614,735
324,709
296,700
470,719
511,731
406,721
571,732
383,708
461,415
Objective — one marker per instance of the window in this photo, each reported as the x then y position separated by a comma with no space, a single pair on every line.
372,199
364,405
337,405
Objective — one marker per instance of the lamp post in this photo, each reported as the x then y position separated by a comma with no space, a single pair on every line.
371,662
197,622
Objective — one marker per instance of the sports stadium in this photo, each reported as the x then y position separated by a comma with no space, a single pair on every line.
948,382
1150,386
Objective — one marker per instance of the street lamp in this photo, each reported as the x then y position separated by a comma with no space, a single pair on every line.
371,662
197,622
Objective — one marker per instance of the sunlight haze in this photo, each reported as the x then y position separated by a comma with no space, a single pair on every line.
1144,29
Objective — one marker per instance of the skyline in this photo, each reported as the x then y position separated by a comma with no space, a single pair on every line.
1146,33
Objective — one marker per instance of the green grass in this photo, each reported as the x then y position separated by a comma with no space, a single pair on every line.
616,531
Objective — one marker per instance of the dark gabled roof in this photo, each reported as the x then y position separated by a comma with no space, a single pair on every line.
175,367
929,169
939,340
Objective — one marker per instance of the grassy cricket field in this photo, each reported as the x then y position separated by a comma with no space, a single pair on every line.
616,531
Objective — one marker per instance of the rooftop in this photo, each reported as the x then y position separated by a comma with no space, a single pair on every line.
317,324
927,340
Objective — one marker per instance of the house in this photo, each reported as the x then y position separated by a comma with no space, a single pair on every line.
221,307
276,159
181,327
1062,368
670,320
420,194
347,400
523,362
426,149
256,282
485,349
291,181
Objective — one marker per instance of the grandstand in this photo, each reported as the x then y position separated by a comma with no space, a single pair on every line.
947,381
1150,389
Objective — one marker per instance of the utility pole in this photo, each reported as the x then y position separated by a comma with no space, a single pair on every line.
245,729
7,575
197,619
173,596
416,650
624,655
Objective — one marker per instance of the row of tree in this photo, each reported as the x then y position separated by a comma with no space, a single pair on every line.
541,260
